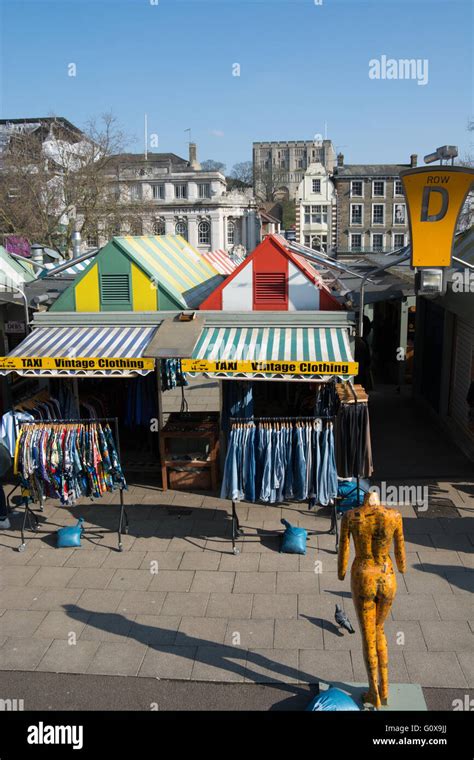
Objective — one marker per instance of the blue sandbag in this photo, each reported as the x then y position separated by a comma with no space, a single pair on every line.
70,536
293,540
332,700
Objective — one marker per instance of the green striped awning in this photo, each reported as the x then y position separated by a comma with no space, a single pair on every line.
313,344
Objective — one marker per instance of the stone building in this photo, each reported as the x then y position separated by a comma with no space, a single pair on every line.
371,208
279,166
164,194
316,210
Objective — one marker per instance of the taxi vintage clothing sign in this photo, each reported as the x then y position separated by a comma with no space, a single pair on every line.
271,367
435,197
74,363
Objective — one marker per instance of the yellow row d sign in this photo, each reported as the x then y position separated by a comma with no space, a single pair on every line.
270,367
77,363
435,197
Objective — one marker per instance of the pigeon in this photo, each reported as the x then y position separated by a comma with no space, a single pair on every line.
342,620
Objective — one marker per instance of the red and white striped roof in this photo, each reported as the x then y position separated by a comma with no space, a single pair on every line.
221,261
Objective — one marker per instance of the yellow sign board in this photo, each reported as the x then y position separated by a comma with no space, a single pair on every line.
277,367
77,363
435,197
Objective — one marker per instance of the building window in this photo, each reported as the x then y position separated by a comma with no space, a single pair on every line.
92,239
114,228
204,233
356,213
136,192
316,185
307,214
377,242
159,227
230,232
136,227
356,242
357,188
378,188
319,214
158,192
204,190
399,213
320,243
378,213
398,240
307,240
182,229
398,187
181,191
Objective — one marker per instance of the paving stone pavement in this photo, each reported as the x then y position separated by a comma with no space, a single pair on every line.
171,608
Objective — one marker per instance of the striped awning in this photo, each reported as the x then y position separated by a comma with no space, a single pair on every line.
305,344
97,342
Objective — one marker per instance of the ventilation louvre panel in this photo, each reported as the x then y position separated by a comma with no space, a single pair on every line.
115,288
270,287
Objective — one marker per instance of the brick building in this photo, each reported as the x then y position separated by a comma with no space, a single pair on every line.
371,208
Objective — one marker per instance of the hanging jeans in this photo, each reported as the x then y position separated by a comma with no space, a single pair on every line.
249,464
266,489
230,482
299,472
332,471
323,470
288,460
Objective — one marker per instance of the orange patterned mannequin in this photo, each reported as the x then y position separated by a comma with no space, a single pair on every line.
373,582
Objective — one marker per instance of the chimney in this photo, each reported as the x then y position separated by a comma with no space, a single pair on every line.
413,160
37,254
193,156
76,244
340,159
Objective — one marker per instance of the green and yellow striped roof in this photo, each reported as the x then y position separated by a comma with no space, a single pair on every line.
169,259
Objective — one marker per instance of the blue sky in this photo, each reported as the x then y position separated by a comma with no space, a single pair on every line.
301,65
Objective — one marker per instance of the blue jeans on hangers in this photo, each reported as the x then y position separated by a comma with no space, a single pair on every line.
229,488
323,496
332,470
249,464
266,489
299,472
316,463
288,459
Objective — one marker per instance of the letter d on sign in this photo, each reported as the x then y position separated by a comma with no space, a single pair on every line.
435,197
427,191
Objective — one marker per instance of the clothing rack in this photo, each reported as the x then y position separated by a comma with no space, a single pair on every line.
29,514
237,531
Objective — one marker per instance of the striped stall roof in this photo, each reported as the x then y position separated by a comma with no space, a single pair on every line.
273,343
94,342
172,260
13,270
221,261
72,270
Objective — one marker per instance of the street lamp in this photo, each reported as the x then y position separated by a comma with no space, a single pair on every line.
445,152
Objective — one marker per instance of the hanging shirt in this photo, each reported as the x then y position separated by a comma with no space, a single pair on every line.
8,428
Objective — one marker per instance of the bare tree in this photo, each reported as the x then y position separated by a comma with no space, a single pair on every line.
243,173
213,166
466,217
267,180
49,188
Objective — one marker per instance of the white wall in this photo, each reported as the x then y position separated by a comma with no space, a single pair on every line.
238,295
302,294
